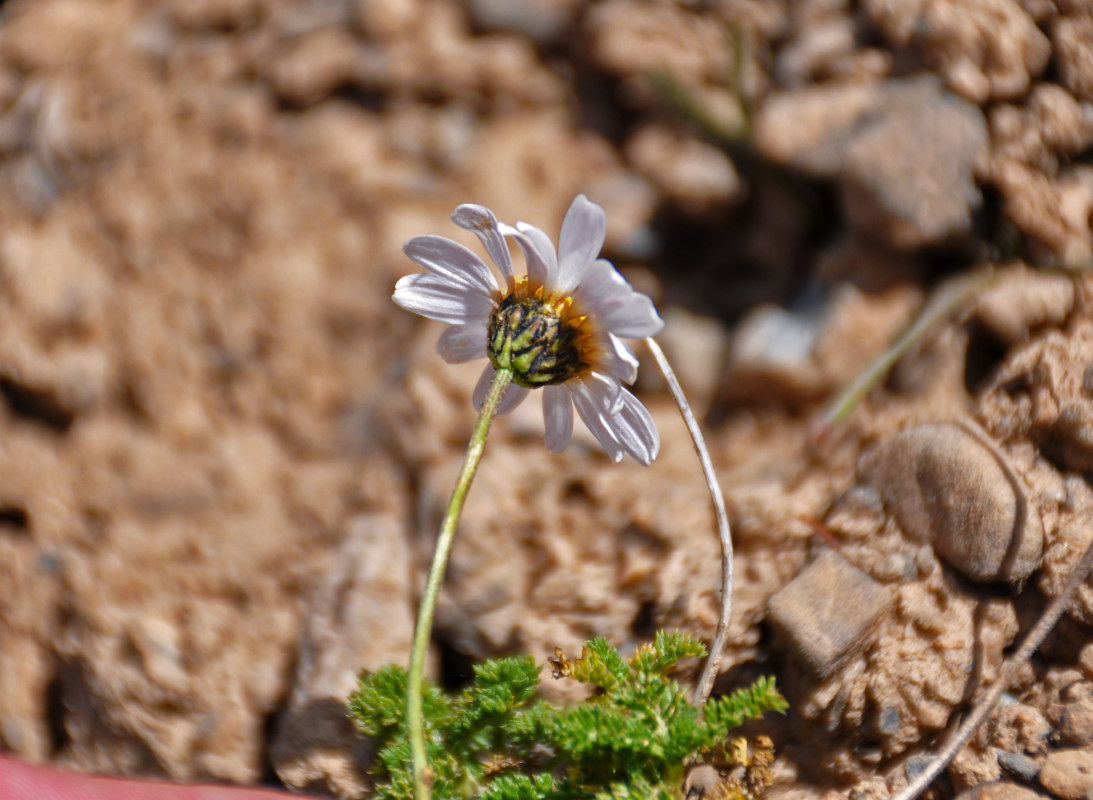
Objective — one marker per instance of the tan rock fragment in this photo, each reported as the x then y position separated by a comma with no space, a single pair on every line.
315,66
916,669
827,612
1045,196
638,38
946,484
1055,213
1075,534
1073,41
1001,790
1068,774
986,49
903,153
360,618
691,173
1076,719
1024,300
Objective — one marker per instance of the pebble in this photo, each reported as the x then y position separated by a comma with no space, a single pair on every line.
917,764
542,20
999,790
1019,765
1076,722
945,484
827,612
1068,774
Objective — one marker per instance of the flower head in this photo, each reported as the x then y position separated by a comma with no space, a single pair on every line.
559,327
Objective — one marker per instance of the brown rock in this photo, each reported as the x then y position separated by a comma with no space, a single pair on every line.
986,49
1076,721
828,611
946,484
360,618
1032,145
1024,300
1048,124
796,357
542,20
938,640
810,129
386,19
904,152
212,14
909,175
823,46
1021,728
694,174
28,609
1000,790
1073,40
1085,659
637,38
1068,774
1054,212
316,65
1019,765
1041,391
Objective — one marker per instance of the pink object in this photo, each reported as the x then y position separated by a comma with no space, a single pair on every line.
21,781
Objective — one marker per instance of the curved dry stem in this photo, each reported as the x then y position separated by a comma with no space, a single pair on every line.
987,702
721,635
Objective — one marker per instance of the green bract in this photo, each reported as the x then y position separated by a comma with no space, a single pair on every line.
532,339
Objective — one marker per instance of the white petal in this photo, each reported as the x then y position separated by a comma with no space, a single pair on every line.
482,388
542,242
481,221
633,426
617,359
636,319
605,390
514,395
444,257
538,250
437,297
631,430
462,343
583,232
610,298
595,418
558,416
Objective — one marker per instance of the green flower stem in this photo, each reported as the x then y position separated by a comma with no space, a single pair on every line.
415,718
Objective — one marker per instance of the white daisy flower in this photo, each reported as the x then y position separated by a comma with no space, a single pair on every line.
559,327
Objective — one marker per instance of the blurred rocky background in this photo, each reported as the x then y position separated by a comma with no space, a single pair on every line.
224,452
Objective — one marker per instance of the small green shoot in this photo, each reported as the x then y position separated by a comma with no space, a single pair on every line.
633,737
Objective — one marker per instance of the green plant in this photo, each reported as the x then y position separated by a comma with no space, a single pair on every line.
632,738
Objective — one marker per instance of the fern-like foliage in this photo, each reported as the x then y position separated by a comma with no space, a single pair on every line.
630,740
